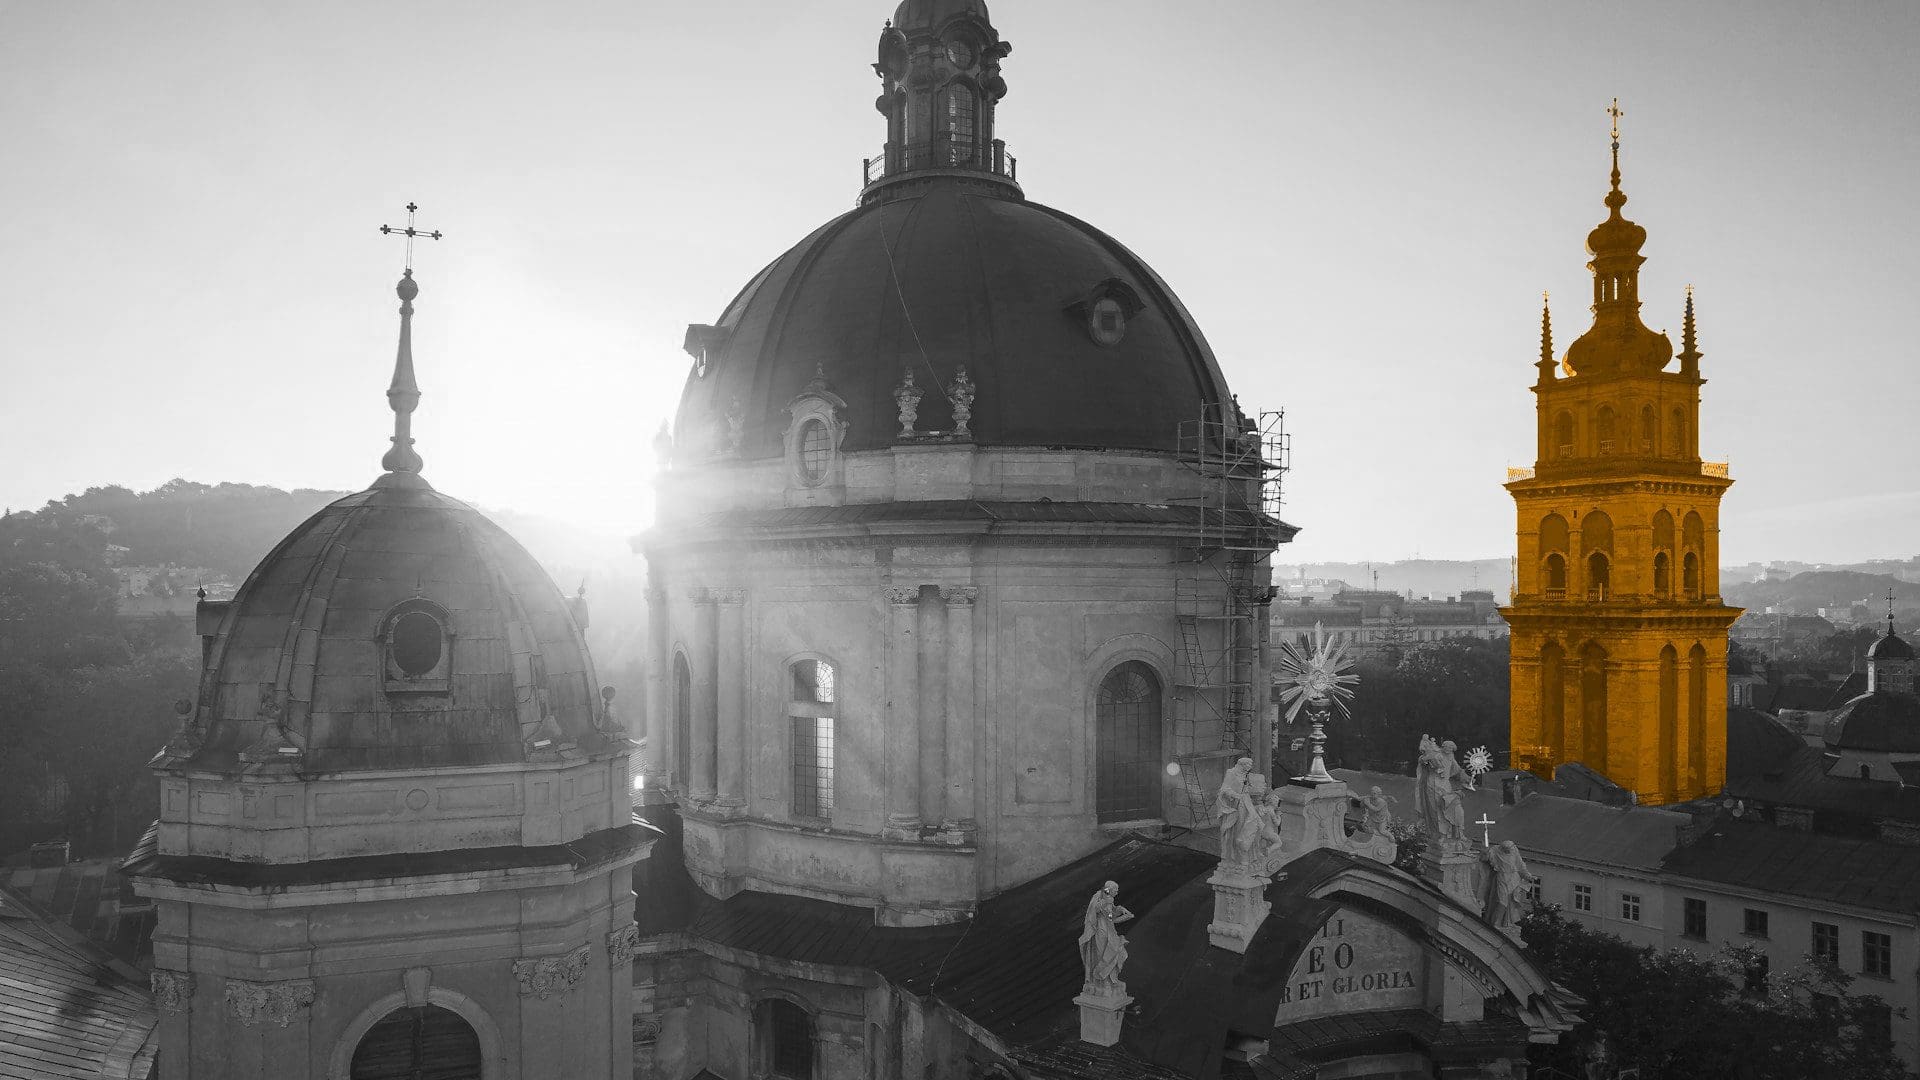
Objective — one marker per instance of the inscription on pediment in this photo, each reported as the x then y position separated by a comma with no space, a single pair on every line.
1354,964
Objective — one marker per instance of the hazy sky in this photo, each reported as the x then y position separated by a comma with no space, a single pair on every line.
1359,202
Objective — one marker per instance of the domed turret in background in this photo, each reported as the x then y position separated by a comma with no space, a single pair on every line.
394,828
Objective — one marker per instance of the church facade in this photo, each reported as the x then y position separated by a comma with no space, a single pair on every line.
1619,637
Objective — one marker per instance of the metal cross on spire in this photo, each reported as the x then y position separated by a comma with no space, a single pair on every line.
1889,610
410,233
1616,112
1486,829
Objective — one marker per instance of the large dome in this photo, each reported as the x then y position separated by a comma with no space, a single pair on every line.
1005,287
1882,721
396,629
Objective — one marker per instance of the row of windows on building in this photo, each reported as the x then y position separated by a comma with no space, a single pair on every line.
1876,949
1611,435
1128,717
1596,541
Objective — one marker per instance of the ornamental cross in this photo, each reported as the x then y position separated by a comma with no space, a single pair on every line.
1616,112
410,233
1486,829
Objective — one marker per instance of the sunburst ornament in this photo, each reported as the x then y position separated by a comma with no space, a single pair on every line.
1318,674
1314,677
1479,762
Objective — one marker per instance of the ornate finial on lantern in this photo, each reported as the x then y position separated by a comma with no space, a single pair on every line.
403,396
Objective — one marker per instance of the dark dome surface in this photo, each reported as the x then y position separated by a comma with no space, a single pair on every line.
925,14
303,637
992,282
1882,721
1890,646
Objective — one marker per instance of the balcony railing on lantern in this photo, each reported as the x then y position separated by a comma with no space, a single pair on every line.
1714,468
1518,474
944,153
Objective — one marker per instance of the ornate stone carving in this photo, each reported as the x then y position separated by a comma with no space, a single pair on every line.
548,975
903,594
278,1002
959,595
736,425
173,990
907,397
414,982
728,595
622,944
962,392
1103,996
1442,778
1508,885
646,1030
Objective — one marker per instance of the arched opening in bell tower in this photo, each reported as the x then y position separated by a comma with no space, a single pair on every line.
417,1042
1669,720
1593,707
1553,701
682,720
1696,717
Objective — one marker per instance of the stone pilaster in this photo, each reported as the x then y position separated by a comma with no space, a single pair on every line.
731,748
933,714
961,721
903,709
702,785
659,722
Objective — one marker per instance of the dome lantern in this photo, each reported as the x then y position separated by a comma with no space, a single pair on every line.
939,68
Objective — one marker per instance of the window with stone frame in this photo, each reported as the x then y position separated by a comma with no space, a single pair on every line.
1876,954
1630,906
1583,898
1693,917
786,1041
1826,942
1754,923
416,648
810,720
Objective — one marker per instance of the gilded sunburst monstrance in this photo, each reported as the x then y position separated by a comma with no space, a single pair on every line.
1315,676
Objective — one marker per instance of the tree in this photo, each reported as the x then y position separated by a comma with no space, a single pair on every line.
1679,1014
1453,689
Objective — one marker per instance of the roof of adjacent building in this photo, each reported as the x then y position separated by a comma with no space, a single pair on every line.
951,272
302,638
1814,866
1802,781
1884,721
93,899
69,1009
1758,743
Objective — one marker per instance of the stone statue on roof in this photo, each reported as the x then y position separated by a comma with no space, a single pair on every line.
1442,779
1102,950
1508,886
1233,809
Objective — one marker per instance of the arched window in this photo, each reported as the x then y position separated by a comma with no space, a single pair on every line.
416,645
1690,577
958,107
1678,435
1669,722
1553,701
1599,576
1593,707
815,452
1697,719
1555,574
785,1035
1603,433
1563,434
682,722
1662,575
417,1042
1662,531
810,710
1127,717
1649,432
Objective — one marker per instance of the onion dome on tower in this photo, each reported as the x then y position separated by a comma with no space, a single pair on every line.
1618,342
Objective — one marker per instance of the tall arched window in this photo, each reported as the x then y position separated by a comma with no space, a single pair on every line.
1555,573
682,722
1678,436
1649,432
810,710
1669,721
1593,707
1603,433
1555,541
1662,575
1563,435
1690,577
1127,719
1553,701
958,116
785,1035
415,1042
1697,718
1599,576
1596,541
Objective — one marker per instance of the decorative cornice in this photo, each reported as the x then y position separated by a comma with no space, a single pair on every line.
252,1002
173,990
622,944
547,975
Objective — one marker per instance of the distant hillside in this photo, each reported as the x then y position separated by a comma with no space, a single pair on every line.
1808,592
220,527
1423,577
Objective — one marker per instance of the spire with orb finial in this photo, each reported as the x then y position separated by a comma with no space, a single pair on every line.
1689,340
403,395
1546,362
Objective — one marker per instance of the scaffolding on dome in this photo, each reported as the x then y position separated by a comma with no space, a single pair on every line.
1239,461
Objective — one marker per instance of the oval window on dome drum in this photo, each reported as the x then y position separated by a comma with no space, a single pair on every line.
815,451
416,645
1108,323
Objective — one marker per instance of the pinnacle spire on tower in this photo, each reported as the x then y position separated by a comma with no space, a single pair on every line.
403,394
1689,339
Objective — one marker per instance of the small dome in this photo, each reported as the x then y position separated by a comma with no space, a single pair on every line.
1890,646
1007,288
1883,721
397,628
929,14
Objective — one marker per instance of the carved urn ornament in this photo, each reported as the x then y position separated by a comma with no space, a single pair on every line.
907,396
962,392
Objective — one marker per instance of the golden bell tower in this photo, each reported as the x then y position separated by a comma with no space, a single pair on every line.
1619,638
